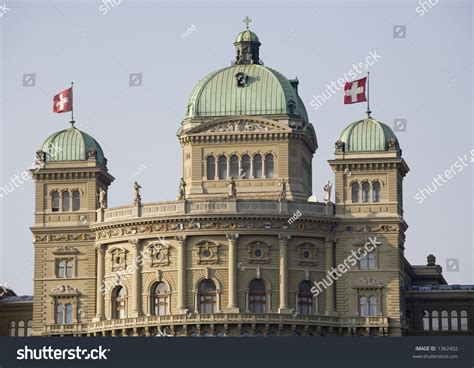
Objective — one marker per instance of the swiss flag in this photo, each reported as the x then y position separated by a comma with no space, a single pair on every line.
62,102
355,91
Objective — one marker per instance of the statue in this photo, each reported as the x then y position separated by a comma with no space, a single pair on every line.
102,199
327,192
232,189
282,190
40,159
182,189
137,197
242,174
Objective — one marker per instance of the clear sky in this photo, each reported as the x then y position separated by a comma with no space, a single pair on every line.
425,78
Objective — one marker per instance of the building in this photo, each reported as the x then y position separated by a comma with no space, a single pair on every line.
16,313
246,249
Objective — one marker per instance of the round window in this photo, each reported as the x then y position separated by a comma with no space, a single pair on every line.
306,255
258,253
159,256
206,253
118,260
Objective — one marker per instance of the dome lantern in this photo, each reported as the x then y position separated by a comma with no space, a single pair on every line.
247,46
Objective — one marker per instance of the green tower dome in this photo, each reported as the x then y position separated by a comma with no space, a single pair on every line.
368,135
72,145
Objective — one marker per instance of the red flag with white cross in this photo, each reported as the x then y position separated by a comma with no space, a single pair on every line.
62,102
354,91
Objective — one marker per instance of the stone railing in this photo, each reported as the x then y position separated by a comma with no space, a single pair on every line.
228,318
189,208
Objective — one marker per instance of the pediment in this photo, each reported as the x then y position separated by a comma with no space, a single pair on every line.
241,125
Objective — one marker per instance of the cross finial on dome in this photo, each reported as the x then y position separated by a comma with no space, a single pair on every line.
247,21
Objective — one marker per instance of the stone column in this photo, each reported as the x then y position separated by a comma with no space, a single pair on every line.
137,290
100,279
330,293
233,304
181,274
216,173
283,241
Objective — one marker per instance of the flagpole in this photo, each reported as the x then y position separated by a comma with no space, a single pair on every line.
368,96
72,104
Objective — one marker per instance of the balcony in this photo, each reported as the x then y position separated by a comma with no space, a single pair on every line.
320,323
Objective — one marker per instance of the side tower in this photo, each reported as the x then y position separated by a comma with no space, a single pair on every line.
247,124
70,171
369,171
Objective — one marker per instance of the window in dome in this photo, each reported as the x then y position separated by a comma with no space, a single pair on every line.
211,168
257,166
245,167
365,192
234,166
66,201
376,192
76,200
55,201
222,167
355,192
269,167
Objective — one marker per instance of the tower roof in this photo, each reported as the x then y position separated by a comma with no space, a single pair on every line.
247,36
369,135
71,145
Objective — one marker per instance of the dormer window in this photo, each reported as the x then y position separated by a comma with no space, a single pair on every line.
241,79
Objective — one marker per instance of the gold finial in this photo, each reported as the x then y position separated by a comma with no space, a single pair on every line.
247,21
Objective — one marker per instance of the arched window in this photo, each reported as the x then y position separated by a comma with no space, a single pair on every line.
61,268
257,166
68,318
69,265
245,167
211,168
222,167
66,201
59,314
269,167
119,303
426,320
464,320
454,321
372,306
365,192
444,320
29,327
305,299
234,166
376,192
12,328
55,201
207,296
76,200
363,306
160,301
435,320
367,261
355,192
21,328
257,296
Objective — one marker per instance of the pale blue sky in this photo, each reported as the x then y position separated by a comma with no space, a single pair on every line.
425,78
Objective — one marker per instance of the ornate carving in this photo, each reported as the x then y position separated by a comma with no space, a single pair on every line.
237,126
365,282
64,290
392,144
282,190
182,189
307,253
92,154
159,252
65,250
431,260
258,252
327,192
207,252
339,146
137,201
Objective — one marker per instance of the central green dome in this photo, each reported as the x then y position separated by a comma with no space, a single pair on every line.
71,145
247,36
265,92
